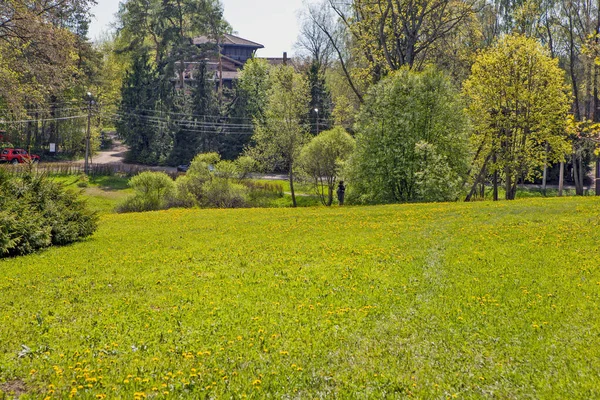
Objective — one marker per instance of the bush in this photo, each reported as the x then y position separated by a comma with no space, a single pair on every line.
221,193
37,213
83,181
154,191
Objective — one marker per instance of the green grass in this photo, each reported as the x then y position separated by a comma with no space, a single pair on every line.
102,194
428,301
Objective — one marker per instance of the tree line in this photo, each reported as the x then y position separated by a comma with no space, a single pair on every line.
443,98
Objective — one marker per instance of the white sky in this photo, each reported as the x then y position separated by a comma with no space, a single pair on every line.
272,23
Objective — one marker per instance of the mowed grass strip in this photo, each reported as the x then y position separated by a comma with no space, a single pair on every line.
429,301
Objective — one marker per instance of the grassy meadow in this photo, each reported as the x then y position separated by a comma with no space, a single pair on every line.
424,301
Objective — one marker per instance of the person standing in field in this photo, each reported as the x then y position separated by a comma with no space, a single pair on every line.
341,191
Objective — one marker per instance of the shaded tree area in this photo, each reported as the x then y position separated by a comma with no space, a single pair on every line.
47,64
187,114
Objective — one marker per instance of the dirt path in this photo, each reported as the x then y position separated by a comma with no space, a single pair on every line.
116,156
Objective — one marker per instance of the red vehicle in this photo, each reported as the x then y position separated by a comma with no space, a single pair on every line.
17,156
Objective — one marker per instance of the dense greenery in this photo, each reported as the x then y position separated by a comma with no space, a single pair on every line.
278,139
518,105
323,160
157,78
209,183
47,64
431,301
412,140
36,213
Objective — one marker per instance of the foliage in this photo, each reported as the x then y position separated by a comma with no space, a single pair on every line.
46,65
321,105
188,143
253,88
323,158
472,298
208,183
584,137
435,180
36,213
278,140
405,118
147,141
518,106
153,191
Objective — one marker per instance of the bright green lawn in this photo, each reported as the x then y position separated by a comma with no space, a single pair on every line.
429,301
102,194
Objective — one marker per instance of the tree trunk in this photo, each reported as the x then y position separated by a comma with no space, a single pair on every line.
598,176
577,176
561,178
508,186
572,57
292,187
545,177
495,182
478,179
581,175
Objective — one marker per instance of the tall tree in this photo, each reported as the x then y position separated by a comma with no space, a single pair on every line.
411,125
321,106
279,139
518,105
139,126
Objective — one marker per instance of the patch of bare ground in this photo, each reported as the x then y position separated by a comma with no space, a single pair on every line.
14,388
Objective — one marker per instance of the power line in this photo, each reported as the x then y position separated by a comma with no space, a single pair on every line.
194,123
201,123
189,115
2,122
321,120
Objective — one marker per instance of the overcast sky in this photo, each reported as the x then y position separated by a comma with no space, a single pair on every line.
272,23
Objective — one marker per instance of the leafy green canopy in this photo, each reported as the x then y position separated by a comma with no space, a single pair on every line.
323,159
518,104
411,142
278,139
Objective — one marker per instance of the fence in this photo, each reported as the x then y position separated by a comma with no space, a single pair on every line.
53,169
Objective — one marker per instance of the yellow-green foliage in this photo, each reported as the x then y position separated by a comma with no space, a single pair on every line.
434,301
518,105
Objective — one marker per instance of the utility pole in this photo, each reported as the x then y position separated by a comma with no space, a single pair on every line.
88,134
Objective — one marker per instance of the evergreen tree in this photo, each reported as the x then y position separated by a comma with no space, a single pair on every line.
138,125
200,134
321,105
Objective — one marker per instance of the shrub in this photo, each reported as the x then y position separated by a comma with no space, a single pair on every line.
245,165
208,184
37,213
403,110
154,191
83,181
221,193
22,231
